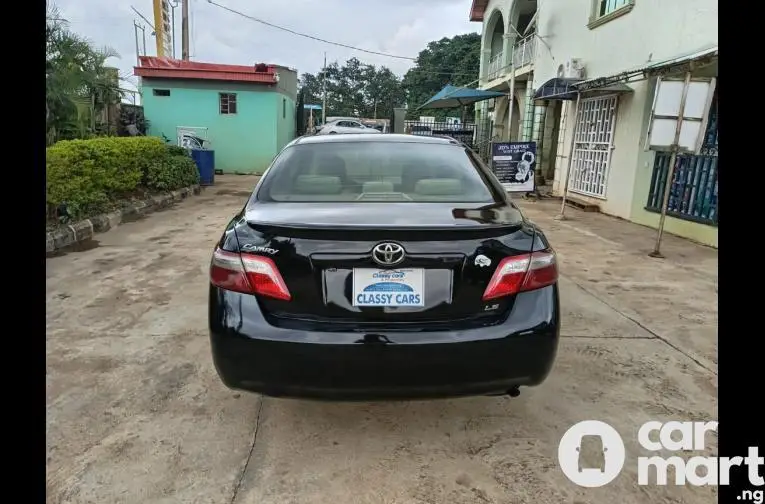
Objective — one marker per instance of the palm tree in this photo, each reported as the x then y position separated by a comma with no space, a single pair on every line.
76,79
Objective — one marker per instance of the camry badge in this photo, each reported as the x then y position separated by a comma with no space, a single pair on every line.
248,247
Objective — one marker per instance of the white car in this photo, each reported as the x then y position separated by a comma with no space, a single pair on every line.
345,126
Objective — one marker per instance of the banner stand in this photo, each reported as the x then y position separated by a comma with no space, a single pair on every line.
514,164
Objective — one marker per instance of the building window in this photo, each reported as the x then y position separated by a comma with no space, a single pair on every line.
284,108
161,92
693,191
227,103
609,6
606,10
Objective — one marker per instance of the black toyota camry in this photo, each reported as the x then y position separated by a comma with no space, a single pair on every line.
382,267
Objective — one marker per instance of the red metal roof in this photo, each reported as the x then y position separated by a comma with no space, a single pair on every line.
169,68
478,9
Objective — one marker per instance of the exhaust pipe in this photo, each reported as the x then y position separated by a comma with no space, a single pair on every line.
513,392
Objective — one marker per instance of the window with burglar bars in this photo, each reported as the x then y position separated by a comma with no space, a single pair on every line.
593,145
693,193
227,103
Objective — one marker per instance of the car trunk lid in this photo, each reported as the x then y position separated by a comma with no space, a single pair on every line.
325,255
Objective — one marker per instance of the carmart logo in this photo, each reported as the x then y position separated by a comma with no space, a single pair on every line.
609,448
604,460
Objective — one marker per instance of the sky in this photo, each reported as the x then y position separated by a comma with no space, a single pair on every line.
400,27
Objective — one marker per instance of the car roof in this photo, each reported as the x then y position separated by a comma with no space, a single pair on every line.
384,138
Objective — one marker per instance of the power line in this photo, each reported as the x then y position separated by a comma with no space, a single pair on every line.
318,39
414,70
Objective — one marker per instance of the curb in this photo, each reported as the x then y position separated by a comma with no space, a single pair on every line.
85,229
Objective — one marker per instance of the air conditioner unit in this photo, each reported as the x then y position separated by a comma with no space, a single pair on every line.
573,69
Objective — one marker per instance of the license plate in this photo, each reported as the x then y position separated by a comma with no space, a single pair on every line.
378,287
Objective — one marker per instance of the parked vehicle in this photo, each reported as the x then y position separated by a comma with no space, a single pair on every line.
382,128
345,126
381,267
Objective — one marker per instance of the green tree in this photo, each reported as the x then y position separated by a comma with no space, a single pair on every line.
453,60
351,79
383,92
311,86
76,80
355,89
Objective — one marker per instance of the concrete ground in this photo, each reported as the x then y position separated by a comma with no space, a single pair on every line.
136,413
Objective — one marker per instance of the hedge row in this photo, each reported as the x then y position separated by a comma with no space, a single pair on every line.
92,176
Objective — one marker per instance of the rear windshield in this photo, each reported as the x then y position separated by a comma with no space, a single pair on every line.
376,171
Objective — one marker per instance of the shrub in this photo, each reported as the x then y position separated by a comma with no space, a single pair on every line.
91,175
171,173
174,150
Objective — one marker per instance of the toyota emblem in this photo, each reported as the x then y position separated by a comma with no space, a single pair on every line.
388,254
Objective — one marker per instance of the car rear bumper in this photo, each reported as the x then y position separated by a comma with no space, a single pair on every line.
249,354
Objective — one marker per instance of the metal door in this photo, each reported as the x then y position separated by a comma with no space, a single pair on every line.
593,144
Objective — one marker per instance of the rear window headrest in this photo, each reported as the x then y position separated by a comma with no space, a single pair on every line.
377,187
318,184
438,187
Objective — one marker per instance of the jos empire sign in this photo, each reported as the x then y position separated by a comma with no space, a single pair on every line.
514,164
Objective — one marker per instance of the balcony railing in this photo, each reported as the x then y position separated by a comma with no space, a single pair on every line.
523,51
496,66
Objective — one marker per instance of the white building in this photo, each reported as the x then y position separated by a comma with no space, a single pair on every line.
620,45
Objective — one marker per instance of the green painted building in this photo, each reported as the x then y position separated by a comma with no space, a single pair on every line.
246,113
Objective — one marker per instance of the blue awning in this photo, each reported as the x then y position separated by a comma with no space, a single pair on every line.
558,88
454,96
568,89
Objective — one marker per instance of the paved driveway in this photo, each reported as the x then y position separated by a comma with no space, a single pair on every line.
136,412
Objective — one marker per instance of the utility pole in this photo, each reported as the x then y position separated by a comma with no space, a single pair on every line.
173,5
143,31
324,92
185,30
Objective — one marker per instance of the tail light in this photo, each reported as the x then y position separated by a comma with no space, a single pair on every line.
522,273
247,273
